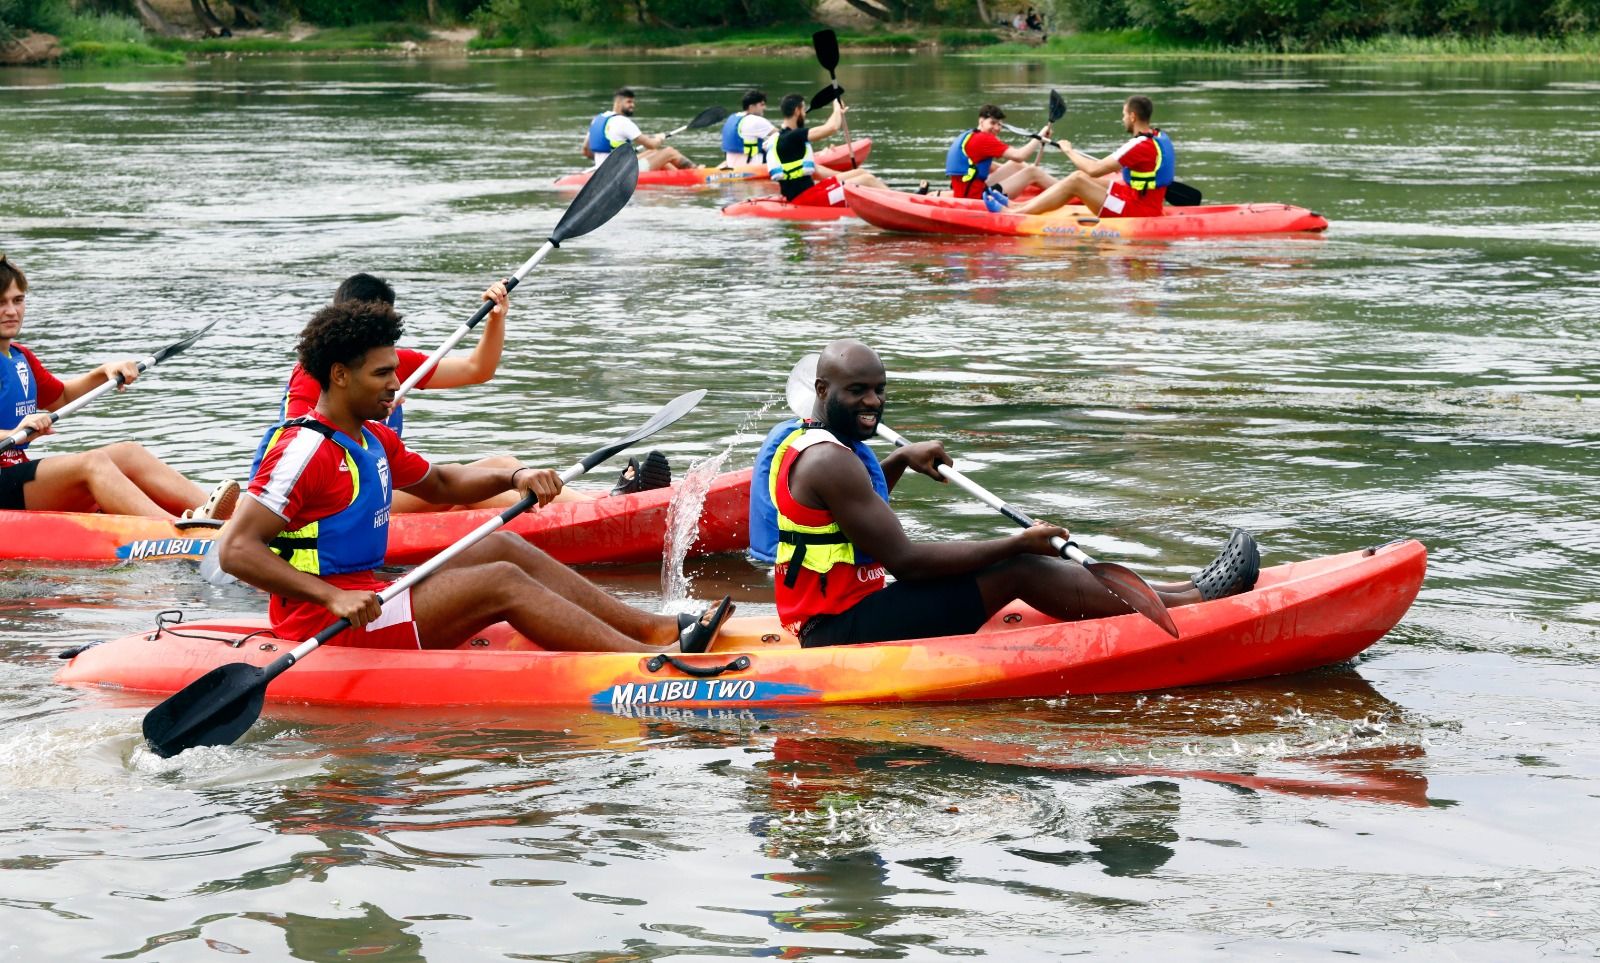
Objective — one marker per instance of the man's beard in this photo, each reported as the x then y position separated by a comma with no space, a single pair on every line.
841,420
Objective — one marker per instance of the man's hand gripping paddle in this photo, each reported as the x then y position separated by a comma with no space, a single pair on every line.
21,435
221,705
1119,580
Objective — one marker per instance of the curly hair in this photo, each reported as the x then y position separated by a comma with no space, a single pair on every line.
343,333
11,274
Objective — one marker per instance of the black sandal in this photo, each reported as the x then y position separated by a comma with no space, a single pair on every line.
694,635
1233,571
653,473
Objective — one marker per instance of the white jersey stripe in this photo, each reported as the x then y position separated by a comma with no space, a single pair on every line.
286,473
1130,145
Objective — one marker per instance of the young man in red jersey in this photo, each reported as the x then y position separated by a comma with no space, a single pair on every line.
1146,165
315,524
969,162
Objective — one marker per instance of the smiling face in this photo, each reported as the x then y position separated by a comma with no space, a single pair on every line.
12,306
851,390
989,125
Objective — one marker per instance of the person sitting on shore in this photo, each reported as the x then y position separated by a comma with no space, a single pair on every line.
119,479
614,129
838,539
1147,162
791,163
315,525
969,161
745,132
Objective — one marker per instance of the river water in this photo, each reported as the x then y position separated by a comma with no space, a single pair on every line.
1428,369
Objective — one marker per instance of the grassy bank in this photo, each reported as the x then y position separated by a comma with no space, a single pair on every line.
1147,43
780,37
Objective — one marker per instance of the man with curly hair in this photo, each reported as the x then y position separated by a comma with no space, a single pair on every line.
315,525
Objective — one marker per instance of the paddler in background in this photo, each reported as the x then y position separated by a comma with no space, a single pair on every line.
969,162
791,163
453,371
120,479
614,129
744,132
838,539
315,524
1146,165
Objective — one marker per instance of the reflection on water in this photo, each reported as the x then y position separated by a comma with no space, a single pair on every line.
1426,368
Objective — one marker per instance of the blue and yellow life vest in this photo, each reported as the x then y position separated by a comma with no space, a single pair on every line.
19,392
600,141
1166,166
958,164
781,170
735,141
355,538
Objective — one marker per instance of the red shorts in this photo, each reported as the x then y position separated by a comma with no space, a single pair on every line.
394,628
1124,201
972,188
828,193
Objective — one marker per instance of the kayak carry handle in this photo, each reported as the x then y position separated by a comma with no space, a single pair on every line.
698,671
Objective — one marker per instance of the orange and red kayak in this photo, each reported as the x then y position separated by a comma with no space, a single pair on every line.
615,529
926,214
1300,616
837,156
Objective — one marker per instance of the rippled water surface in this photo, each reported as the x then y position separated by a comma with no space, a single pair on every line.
1428,368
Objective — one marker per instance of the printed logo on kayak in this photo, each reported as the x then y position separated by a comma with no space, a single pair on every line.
148,548
705,692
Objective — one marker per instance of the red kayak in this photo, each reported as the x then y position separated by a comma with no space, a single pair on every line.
836,156
920,214
1300,616
616,529
776,208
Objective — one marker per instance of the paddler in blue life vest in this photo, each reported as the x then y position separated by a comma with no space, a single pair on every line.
838,540
744,132
969,161
119,479
315,525
614,129
1131,181
791,163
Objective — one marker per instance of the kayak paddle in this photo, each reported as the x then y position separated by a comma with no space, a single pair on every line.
218,707
1180,194
601,198
707,117
1119,580
826,44
177,347
824,97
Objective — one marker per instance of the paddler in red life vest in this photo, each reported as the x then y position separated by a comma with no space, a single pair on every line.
614,129
120,479
315,524
745,132
838,538
970,160
302,391
791,163
1147,164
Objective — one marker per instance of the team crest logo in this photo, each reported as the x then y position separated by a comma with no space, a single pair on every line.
23,373
383,476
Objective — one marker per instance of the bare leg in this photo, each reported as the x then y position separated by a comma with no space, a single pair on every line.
407,504
82,482
160,481
861,177
1077,184
1063,590
1025,176
665,157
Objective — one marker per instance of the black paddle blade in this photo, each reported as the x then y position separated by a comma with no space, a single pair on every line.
707,117
825,96
1180,194
601,198
669,413
1058,107
213,710
1130,587
178,347
826,43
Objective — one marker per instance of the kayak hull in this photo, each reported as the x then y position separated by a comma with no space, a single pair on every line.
618,529
918,214
835,156
1301,616
776,208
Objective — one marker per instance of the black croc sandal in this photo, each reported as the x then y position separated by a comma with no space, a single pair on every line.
1233,571
652,473
694,635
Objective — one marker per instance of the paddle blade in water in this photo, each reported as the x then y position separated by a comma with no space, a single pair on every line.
825,96
707,117
1180,194
601,198
1058,107
1130,587
669,413
178,347
826,43
213,710
801,392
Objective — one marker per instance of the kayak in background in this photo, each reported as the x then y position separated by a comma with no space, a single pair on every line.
617,529
920,214
1300,616
837,156
776,208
